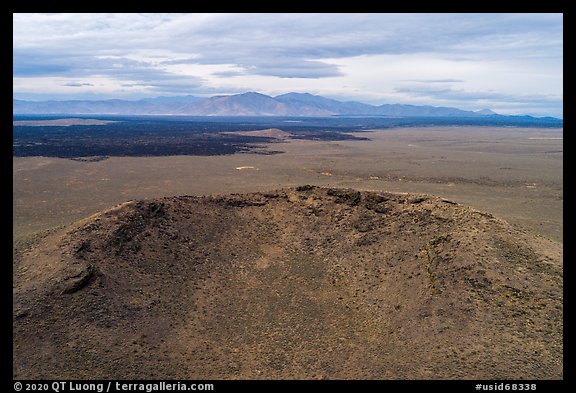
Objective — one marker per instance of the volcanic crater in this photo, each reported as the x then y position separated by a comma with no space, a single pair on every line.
295,283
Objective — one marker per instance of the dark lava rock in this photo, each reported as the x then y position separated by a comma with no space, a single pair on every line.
348,197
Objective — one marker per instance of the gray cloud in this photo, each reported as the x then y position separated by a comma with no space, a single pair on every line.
77,84
141,73
477,96
296,38
37,62
285,46
295,69
228,74
434,80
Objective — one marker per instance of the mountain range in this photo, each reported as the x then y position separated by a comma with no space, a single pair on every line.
246,104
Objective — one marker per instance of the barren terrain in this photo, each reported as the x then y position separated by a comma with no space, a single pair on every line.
304,283
270,132
514,173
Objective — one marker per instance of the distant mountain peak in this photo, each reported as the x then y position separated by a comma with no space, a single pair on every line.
485,111
295,94
250,94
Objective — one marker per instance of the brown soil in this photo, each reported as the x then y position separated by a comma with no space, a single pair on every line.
299,283
503,171
269,132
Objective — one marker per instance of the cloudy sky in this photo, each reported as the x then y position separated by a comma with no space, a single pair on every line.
511,63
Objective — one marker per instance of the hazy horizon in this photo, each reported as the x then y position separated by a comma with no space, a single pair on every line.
509,63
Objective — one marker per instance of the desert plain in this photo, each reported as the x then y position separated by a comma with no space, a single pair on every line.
513,173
